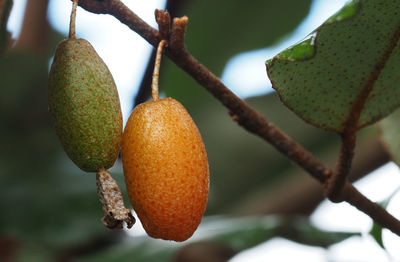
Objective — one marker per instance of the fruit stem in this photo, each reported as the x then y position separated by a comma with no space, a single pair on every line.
72,34
156,72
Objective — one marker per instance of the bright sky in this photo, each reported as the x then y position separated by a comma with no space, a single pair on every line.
126,54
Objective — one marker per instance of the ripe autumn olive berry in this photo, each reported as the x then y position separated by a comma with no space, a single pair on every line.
166,169
165,166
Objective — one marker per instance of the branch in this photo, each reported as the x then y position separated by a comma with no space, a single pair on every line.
373,210
163,20
246,116
121,12
301,194
337,182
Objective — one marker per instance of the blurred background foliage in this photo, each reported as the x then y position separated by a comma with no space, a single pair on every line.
49,208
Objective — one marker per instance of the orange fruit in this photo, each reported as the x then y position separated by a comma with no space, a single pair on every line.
166,169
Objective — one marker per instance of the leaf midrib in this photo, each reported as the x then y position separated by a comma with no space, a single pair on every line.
350,125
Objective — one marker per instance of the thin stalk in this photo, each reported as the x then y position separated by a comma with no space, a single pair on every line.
156,72
72,33
338,180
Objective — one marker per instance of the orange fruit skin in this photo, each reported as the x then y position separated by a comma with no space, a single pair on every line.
166,169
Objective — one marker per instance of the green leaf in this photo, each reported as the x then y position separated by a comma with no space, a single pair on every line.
390,127
376,233
347,11
304,49
376,230
346,73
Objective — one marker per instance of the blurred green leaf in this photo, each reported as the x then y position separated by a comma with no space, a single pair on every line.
5,9
137,250
376,230
390,127
218,30
57,207
33,252
376,233
353,51
244,233
236,234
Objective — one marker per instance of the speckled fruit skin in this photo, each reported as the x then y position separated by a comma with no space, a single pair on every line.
166,169
84,105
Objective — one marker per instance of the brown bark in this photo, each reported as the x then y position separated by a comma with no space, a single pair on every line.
300,195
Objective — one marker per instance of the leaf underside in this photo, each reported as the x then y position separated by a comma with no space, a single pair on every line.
346,73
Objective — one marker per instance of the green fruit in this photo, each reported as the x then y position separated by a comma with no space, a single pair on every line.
84,105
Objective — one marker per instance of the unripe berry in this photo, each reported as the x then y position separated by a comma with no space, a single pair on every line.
86,112
84,104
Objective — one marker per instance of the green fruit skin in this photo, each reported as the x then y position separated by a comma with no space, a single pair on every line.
84,105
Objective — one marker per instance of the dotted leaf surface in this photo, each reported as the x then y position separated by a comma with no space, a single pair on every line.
346,73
